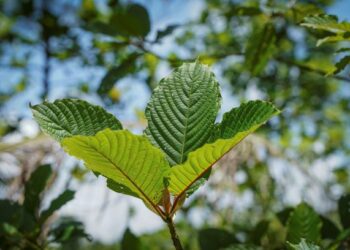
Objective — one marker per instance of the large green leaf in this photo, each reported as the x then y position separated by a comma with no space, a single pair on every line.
304,223
125,158
182,111
34,187
344,211
235,126
69,117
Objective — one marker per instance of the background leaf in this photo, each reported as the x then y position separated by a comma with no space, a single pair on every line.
340,65
335,31
344,210
329,229
304,223
126,67
131,20
260,49
67,229
56,204
215,239
34,187
165,32
130,241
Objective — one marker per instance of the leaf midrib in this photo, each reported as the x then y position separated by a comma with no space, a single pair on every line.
186,120
127,177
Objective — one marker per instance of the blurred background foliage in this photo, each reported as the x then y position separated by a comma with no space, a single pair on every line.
287,182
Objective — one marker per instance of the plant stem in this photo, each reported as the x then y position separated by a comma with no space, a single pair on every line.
175,238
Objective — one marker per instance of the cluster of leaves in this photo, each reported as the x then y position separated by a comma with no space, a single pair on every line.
179,146
328,29
127,27
254,47
293,228
300,228
23,226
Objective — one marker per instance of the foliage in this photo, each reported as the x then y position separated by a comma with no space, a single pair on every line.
22,225
331,31
290,52
138,168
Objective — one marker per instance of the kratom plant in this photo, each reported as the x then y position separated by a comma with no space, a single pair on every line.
175,154
27,225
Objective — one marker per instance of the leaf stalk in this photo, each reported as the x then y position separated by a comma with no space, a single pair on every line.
175,238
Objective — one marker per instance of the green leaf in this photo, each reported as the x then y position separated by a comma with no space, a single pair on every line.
337,31
215,239
326,23
131,20
332,39
67,229
300,10
340,65
69,117
259,231
34,187
130,241
9,229
127,159
127,66
16,215
56,204
284,215
101,27
344,211
10,213
260,49
329,229
236,10
167,31
182,111
303,245
235,126
341,50
243,118
304,223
